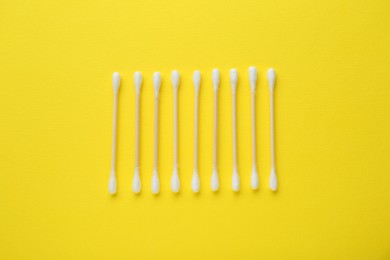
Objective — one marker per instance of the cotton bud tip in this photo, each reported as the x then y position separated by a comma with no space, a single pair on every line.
136,182
175,77
252,77
112,185
175,182
233,79
214,181
273,181
197,79
137,81
116,80
157,83
235,181
254,179
155,183
195,184
271,78
216,78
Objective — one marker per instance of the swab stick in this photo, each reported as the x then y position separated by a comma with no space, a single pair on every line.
136,179
175,182
253,82
195,178
273,182
214,176
112,182
233,82
155,179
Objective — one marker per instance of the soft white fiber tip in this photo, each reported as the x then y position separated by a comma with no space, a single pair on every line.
214,181
137,81
273,181
175,182
195,184
156,83
155,183
254,179
216,75
112,184
233,79
116,81
271,78
252,77
197,79
136,182
235,181
175,77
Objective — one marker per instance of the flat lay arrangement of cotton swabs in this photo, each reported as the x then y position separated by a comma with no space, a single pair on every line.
195,182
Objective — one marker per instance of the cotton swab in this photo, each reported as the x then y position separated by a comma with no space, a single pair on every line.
273,182
214,176
253,82
112,182
195,178
136,179
155,179
175,182
233,82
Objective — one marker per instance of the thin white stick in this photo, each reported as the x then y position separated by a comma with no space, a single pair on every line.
195,178
214,176
233,82
112,182
155,157
136,179
272,130
155,178
175,182
273,183
253,82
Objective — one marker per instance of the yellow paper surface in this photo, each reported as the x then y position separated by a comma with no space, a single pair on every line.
332,103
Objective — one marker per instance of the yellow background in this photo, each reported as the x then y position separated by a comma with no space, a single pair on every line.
332,128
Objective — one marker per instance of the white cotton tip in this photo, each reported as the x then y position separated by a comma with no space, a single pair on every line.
116,81
216,75
235,181
254,179
112,184
136,181
252,78
175,77
271,78
137,81
155,183
195,184
233,79
273,181
197,79
175,182
157,83
214,181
